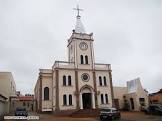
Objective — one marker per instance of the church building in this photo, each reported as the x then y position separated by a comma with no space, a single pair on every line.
78,83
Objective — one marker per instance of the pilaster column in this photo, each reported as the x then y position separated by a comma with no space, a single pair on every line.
95,89
77,89
81,101
93,100
57,90
111,87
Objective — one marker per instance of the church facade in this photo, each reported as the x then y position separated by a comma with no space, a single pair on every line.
78,83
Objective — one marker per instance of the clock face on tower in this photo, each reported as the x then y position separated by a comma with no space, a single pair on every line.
83,46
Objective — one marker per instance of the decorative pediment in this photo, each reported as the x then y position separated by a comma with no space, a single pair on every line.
87,87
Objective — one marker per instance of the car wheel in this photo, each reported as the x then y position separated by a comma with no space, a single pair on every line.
112,118
146,112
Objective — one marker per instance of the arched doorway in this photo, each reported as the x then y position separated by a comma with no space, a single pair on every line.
87,100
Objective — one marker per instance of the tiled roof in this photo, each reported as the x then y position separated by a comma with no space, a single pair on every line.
26,98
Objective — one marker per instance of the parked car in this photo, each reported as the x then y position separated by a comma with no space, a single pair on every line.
155,109
21,112
109,113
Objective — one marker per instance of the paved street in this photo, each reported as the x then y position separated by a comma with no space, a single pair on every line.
139,116
125,116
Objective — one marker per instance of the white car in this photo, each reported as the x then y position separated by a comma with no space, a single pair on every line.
109,113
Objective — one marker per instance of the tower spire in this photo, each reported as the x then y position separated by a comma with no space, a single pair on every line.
79,28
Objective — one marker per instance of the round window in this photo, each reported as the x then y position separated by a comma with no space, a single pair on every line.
85,77
83,45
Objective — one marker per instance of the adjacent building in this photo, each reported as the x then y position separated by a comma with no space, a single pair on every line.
156,97
133,97
80,82
119,93
26,101
7,90
3,105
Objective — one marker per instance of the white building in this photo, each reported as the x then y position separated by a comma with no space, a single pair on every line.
133,97
7,90
78,83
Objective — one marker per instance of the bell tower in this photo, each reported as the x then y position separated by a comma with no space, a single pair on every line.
80,45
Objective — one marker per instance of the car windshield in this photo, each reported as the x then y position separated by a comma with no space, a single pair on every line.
115,110
160,106
20,109
107,110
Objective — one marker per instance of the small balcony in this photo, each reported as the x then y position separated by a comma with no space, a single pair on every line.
64,64
99,66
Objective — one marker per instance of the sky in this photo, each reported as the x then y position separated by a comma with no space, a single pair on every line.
127,35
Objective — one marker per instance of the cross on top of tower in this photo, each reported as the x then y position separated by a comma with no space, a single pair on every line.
78,10
79,28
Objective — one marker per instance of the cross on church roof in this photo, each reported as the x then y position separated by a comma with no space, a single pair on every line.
78,9
79,28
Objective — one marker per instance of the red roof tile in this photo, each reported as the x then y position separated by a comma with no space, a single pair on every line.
26,98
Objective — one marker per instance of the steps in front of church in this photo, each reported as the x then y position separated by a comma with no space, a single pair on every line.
64,113
86,113
78,113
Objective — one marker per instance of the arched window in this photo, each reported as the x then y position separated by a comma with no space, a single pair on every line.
100,81
106,98
46,93
64,100
86,59
64,80
81,59
102,99
69,80
105,83
70,99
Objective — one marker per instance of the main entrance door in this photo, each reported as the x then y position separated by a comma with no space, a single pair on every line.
87,101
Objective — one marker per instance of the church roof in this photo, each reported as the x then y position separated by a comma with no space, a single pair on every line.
79,28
